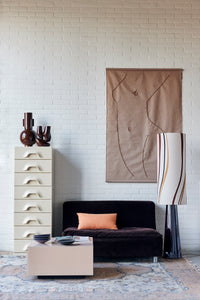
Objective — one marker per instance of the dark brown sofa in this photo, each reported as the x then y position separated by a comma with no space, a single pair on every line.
136,236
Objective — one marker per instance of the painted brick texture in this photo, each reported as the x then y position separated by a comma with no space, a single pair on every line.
53,56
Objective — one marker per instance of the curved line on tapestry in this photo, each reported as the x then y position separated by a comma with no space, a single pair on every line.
120,82
143,151
143,156
118,138
147,103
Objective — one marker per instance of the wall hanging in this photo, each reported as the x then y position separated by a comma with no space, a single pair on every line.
140,104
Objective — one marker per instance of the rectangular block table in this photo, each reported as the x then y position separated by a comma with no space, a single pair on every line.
59,260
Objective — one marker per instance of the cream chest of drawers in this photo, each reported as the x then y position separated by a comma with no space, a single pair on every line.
32,194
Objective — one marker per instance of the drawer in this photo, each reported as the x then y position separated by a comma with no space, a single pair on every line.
31,165
24,233
33,153
39,192
33,206
21,245
36,179
32,219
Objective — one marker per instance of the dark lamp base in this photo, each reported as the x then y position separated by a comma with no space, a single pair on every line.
172,244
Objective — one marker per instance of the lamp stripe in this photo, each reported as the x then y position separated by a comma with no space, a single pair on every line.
181,174
171,169
182,192
159,150
163,153
165,170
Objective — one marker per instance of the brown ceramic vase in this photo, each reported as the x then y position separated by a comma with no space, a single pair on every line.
27,136
43,137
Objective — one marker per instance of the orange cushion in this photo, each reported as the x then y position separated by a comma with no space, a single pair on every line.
97,221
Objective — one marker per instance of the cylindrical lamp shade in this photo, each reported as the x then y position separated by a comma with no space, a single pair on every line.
171,168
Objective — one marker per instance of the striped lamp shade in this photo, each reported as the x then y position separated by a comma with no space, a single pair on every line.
171,168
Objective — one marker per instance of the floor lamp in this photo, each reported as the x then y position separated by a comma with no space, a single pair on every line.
171,186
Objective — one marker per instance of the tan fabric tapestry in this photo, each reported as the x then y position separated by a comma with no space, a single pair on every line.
140,104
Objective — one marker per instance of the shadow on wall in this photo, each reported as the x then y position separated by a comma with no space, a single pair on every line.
66,184
160,218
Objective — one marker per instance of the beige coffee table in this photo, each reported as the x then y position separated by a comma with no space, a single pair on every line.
59,260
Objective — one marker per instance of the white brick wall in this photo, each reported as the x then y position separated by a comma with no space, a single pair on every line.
53,56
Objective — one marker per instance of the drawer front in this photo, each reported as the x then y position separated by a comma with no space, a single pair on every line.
24,233
33,153
21,245
32,219
32,192
33,179
33,206
33,166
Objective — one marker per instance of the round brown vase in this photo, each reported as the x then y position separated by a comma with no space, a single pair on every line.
27,136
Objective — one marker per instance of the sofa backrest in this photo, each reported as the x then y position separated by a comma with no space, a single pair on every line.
129,213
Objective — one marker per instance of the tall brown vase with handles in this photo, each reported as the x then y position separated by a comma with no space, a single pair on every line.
27,136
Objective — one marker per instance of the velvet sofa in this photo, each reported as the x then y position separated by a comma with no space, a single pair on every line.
136,235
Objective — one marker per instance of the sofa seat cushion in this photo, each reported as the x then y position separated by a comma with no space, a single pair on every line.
123,233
